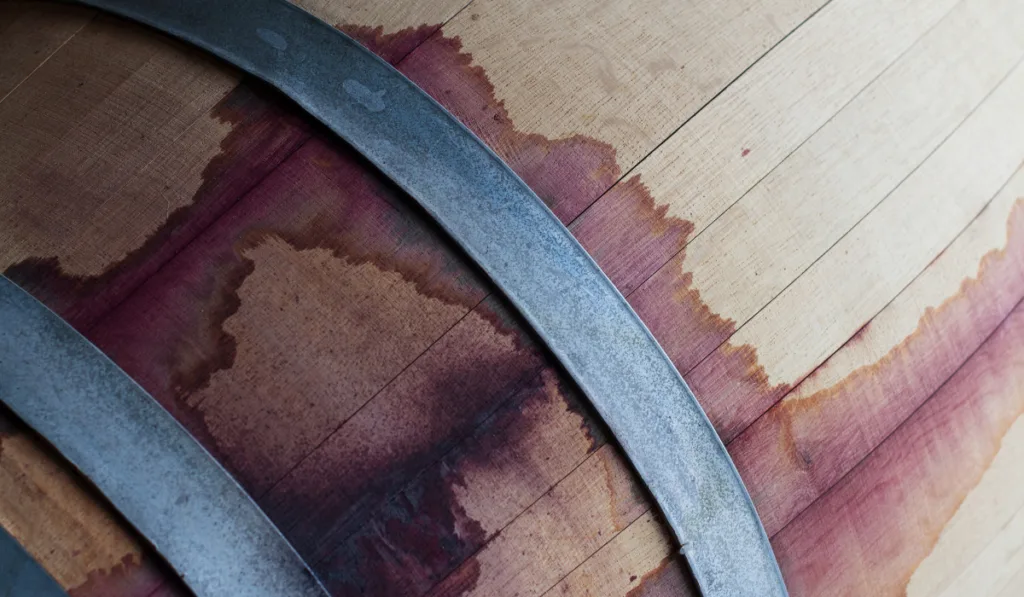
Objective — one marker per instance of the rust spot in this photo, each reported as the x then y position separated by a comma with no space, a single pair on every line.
802,446
670,578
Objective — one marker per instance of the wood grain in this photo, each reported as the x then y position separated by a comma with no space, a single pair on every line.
326,342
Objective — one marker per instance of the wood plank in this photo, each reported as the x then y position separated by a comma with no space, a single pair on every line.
740,137
238,335
828,423
452,509
30,33
153,142
622,566
66,526
838,414
868,266
547,541
771,236
872,530
967,144
572,94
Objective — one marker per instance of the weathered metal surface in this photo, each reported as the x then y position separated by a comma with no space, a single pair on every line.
20,575
144,462
526,251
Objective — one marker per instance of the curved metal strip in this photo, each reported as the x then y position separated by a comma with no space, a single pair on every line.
527,252
144,462
21,575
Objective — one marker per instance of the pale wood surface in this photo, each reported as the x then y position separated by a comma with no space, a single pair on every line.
814,206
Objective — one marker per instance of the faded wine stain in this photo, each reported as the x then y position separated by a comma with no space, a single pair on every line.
872,530
803,445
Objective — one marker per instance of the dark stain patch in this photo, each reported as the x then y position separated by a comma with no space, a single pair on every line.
745,153
264,132
671,578
170,335
422,535
435,405
568,174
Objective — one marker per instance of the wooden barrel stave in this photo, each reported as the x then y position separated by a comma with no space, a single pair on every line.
554,533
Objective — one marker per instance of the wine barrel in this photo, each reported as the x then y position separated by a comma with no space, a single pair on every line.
816,207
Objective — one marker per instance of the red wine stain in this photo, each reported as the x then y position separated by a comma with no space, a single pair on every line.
264,132
438,402
422,534
801,447
568,174
872,529
170,334
745,153
392,47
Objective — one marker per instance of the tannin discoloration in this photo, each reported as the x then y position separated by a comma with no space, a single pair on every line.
130,578
426,412
568,174
263,132
670,578
629,234
345,263
801,447
424,532
871,530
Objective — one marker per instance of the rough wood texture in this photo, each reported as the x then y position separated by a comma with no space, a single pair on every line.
817,207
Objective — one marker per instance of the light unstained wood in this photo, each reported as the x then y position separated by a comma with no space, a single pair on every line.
772,109
391,17
816,195
625,72
846,286
117,119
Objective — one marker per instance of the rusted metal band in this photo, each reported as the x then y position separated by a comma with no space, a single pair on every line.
525,250
149,467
